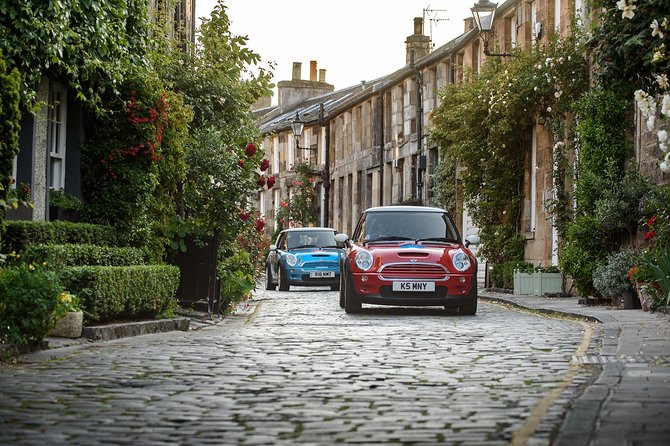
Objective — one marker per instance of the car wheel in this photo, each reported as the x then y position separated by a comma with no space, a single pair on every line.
283,280
268,279
352,303
470,308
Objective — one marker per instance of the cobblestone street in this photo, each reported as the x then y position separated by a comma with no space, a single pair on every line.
295,368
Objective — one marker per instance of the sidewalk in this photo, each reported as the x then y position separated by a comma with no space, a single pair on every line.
629,404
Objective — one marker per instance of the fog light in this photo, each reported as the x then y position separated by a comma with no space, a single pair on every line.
461,279
364,278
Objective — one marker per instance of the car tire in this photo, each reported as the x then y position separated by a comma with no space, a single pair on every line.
352,303
268,280
342,288
470,308
283,280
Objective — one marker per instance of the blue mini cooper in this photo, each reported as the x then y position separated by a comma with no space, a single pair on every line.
304,257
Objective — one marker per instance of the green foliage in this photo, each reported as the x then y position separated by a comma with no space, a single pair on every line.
110,293
57,257
63,200
585,244
623,49
239,264
655,215
298,209
28,298
21,234
90,44
134,159
483,126
10,118
502,274
610,278
659,266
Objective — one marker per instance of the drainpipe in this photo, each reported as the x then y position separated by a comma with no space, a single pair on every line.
325,176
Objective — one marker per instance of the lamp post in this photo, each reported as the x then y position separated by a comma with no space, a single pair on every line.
484,12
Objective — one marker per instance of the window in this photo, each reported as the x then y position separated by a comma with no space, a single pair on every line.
557,15
56,136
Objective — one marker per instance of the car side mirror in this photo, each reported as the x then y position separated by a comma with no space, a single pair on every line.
273,247
341,239
471,240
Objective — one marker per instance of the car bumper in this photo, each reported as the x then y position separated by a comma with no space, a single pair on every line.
456,290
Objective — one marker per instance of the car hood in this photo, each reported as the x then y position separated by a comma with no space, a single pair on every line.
316,252
409,251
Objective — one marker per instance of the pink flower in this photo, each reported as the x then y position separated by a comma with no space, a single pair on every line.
250,149
293,183
283,204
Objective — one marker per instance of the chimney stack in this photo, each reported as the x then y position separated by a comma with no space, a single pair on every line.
322,75
297,71
312,70
417,43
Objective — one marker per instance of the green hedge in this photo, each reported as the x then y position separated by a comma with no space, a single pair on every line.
110,293
20,234
60,256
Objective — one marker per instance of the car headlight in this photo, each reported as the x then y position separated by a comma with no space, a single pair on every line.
291,260
461,261
363,260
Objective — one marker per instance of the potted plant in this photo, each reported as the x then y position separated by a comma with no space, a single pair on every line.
68,317
612,281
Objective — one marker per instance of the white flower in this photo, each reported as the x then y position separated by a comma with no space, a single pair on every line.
549,109
651,122
656,29
664,147
628,9
662,136
662,81
659,54
558,94
665,105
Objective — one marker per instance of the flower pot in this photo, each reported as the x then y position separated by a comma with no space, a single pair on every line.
69,326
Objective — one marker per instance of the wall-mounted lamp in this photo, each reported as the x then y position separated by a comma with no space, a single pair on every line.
297,126
484,12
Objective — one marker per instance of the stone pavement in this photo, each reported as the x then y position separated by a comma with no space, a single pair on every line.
629,404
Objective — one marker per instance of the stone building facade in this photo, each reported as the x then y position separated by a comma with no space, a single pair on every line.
373,140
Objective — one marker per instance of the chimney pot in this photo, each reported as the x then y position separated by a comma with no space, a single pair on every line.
312,70
418,25
322,75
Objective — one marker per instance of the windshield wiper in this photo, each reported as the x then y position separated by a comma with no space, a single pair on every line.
435,239
391,238
303,246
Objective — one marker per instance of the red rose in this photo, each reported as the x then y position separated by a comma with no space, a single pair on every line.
241,163
260,224
250,149
271,181
264,165
283,204
649,235
244,216
261,181
651,221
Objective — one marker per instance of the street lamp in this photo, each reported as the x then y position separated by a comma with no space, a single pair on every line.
484,12
297,126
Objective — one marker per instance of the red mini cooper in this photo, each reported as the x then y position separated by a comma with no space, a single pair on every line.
408,255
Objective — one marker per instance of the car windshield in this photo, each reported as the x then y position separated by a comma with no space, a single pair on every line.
416,226
311,239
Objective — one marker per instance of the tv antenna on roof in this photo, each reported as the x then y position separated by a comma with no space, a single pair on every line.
432,20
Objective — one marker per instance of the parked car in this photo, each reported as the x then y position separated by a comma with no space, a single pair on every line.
408,255
304,257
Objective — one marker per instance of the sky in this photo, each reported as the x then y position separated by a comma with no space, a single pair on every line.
353,40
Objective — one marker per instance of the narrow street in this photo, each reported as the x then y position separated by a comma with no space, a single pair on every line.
295,369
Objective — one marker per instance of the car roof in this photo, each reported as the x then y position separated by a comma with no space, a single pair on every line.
308,229
404,209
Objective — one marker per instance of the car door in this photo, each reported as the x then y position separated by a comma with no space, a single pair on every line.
276,254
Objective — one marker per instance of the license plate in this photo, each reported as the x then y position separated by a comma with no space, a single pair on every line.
320,274
414,286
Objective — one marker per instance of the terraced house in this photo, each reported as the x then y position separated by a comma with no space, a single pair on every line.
373,141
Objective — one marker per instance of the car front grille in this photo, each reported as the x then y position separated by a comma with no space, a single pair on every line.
429,271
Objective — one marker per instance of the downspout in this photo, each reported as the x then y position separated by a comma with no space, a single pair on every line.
381,148
325,176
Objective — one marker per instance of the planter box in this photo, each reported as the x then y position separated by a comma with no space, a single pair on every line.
69,326
537,283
